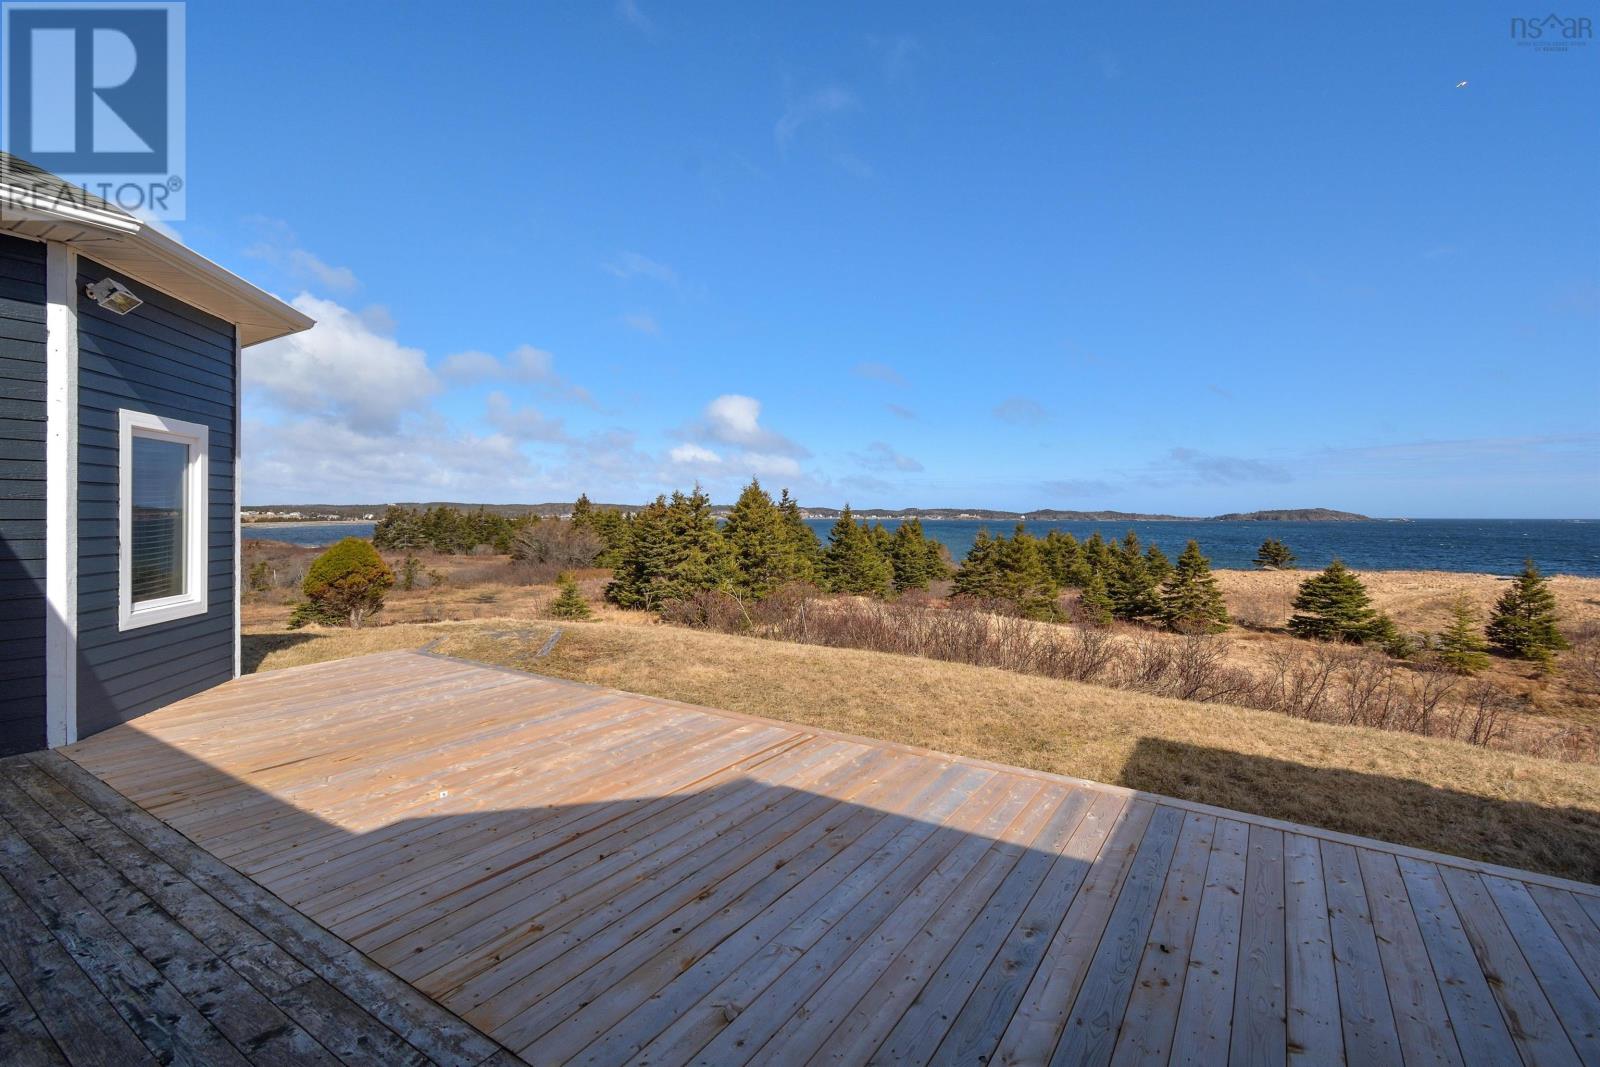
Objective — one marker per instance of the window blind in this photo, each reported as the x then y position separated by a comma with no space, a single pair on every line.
160,493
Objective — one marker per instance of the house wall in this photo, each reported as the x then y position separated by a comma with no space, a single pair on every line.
22,494
171,360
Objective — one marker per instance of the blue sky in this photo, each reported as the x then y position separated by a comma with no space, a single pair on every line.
1163,257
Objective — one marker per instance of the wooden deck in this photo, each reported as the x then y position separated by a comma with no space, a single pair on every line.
596,877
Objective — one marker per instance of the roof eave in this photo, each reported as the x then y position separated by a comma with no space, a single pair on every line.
274,317
149,256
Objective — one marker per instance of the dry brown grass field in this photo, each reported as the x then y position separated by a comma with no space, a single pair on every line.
1420,602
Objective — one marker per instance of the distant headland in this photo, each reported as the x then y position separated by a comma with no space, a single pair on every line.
359,512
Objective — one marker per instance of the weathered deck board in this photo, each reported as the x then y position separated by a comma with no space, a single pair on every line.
129,945
603,878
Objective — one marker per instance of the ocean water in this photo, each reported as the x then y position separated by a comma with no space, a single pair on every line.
1485,546
1480,546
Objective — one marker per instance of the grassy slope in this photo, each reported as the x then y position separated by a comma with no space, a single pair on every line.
1516,810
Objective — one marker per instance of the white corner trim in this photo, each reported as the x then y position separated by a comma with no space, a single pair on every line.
197,551
61,495
238,504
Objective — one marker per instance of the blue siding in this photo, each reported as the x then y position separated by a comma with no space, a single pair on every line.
172,360
22,487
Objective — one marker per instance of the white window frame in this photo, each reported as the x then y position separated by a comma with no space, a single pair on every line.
197,548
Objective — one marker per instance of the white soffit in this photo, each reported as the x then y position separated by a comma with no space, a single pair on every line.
117,240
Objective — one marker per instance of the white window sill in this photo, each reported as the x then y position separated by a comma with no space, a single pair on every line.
168,609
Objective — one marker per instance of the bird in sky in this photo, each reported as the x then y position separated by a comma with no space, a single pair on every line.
1461,85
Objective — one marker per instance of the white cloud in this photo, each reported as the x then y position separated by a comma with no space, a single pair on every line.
341,368
338,279
692,453
729,440
538,367
324,458
766,463
280,247
524,365
521,423
736,420
468,368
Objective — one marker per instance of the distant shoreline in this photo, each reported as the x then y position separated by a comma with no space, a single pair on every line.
281,524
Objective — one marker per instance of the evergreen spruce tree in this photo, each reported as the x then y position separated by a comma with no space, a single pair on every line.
582,511
909,557
1274,555
938,559
410,569
399,529
1190,599
260,579
1134,595
1460,645
1523,625
612,528
1387,636
570,603
1157,563
1024,579
697,556
1098,557
1063,557
1334,606
640,573
803,541
842,535
852,562
1094,604
979,573
760,548
883,541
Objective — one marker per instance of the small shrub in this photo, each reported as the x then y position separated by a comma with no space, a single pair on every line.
556,541
410,570
1460,646
260,579
570,604
345,584
1583,666
1274,555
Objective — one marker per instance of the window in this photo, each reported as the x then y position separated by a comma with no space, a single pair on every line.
161,512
